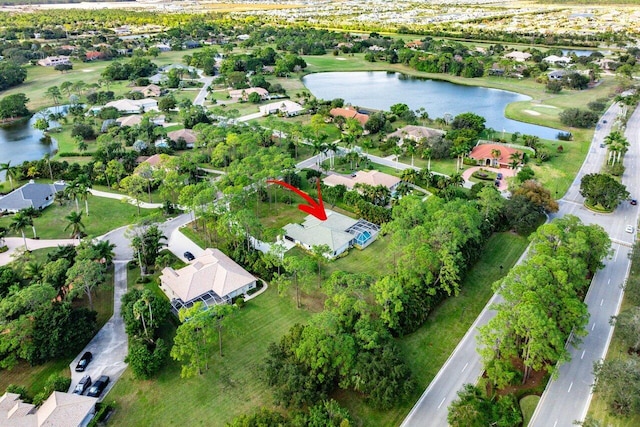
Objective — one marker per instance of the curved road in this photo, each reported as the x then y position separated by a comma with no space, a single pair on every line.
568,398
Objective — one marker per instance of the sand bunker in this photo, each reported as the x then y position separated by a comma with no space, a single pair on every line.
533,113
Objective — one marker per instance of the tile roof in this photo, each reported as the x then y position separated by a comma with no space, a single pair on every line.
416,132
350,113
212,271
188,135
372,177
483,152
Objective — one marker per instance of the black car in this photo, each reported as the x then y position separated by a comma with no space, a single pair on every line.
84,383
634,202
189,256
98,387
84,361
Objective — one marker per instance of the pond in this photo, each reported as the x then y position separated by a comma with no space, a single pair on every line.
19,141
380,90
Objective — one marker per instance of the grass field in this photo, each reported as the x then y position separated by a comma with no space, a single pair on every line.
232,386
104,215
528,406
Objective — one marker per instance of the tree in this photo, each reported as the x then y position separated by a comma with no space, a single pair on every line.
134,185
11,172
11,74
19,222
473,409
618,382
75,224
146,240
320,253
617,145
537,195
41,124
86,275
298,272
145,358
54,94
627,325
192,345
602,190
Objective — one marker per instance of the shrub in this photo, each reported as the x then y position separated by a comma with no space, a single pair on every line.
564,136
576,117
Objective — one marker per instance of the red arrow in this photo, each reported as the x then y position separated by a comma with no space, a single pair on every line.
313,208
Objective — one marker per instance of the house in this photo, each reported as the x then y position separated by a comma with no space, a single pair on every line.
107,124
372,177
212,278
557,60
52,61
133,106
495,155
518,56
31,195
415,44
415,133
338,232
243,94
60,409
132,120
187,135
284,107
350,113
151,90
163,47
556,74
94,55
191,44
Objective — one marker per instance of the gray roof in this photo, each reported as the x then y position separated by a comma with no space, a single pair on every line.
30,195
331,232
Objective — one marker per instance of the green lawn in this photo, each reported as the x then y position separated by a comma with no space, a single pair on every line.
104,215
528,406
232,386
376,259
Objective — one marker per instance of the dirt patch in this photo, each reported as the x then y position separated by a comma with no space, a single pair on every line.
535,382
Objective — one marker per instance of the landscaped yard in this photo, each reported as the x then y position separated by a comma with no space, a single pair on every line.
232,386
104,215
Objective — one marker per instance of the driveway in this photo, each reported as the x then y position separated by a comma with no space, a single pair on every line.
179,243
109,346
506,173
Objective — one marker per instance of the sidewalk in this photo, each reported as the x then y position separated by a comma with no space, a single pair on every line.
14,243
116,196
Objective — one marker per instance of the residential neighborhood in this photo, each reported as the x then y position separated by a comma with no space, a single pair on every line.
328,213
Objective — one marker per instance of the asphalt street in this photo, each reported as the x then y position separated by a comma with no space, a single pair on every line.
566,399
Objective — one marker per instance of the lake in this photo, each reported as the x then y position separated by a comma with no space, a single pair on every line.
380,90
20,141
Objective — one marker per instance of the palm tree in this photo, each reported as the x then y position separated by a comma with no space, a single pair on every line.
332,147
318,148
515,159
75,223
54,93
71,193
32,213
3,233
397,151
410,148
47,157
104,250
495,155
409,175
617,144
33,270
19,222
11,171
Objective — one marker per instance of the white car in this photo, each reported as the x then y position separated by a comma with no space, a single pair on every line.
629,229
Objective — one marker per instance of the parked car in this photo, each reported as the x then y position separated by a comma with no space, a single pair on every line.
82,386
84,361
98,387
604,121
189,256
634,202
601,145
629,229
499,176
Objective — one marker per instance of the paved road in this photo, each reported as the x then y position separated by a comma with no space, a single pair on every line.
463,366
202,95
116,196
567,398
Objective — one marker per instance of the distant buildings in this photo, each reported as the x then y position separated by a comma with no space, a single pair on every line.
284,107
52,61
372,177
133,106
